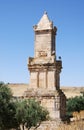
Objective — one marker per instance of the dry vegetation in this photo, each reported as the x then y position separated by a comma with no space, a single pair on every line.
72,126
77,124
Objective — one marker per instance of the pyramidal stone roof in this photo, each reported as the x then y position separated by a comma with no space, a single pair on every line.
44,23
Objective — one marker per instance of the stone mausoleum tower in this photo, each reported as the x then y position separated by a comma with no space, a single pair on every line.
45,70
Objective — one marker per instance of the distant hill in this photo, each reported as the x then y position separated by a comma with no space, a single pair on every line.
72,91
19,89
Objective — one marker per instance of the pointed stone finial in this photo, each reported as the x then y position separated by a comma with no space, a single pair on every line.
44,23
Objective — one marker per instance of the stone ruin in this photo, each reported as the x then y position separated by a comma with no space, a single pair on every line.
45,70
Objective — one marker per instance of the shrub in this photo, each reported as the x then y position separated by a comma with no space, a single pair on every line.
75,104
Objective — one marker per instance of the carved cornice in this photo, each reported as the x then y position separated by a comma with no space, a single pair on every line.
42,67
47,31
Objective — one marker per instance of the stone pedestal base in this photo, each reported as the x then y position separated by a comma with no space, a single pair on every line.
53,101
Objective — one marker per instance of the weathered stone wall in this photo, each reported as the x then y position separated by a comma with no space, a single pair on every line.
53,101
43,45
45,75
43,79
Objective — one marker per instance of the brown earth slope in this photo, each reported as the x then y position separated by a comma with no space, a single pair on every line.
19,89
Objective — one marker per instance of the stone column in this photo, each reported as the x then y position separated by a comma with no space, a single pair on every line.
42,79
34,79
51,80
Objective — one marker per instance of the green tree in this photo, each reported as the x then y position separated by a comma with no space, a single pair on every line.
75,104
30,113
21,113
7,108
25,113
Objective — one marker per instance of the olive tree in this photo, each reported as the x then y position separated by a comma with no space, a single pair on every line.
29,113
16,114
